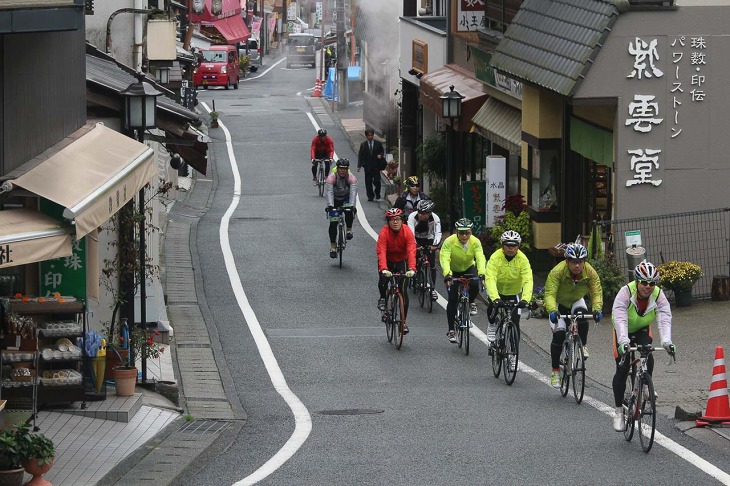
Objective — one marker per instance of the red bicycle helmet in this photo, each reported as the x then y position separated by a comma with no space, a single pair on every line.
393,213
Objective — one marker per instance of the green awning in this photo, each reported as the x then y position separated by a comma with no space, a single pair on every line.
500,123
591,142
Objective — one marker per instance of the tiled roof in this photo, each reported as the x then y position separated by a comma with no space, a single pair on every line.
551,43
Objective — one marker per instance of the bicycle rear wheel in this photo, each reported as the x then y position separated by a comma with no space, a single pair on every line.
466,333
496,350
397,316
647,412
340,242
629,407
566,363
579,370
511,353
320,180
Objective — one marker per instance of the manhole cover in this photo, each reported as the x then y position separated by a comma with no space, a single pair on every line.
351,411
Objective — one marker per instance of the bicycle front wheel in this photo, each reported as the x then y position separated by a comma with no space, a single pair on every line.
320,181
566,363
647,412
461,321
629,408
497,351
397,314
428,289
341,242
420,283
389,326
579,370
511,352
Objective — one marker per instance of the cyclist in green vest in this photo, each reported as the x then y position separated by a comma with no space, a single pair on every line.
566,286
637,305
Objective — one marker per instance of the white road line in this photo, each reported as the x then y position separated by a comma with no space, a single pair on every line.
302,419
264,72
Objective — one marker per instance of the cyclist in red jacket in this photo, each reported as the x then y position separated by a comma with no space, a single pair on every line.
396,250
322,148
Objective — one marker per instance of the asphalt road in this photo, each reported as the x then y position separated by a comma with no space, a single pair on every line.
426,414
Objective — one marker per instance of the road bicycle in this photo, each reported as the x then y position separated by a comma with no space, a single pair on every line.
505,348
423,282
572,357
321,175
462,321
338,214
394,315
639,403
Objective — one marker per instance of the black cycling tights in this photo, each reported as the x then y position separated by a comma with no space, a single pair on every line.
349,217
397,267
559,336
643,337
326,168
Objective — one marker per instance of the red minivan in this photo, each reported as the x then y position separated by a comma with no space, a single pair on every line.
218,67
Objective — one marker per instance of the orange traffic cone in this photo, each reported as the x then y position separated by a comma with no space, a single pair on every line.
718,405
317,89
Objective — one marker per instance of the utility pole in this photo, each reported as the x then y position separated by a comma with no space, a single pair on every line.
342,94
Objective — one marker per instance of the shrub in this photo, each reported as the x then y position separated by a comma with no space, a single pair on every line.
612,278
520,223
514,203
679,276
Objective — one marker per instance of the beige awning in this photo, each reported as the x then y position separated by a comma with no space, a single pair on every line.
93,177
501,124
27,236
437,83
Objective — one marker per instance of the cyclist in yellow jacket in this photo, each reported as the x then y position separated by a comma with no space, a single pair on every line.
509,277
461,254
636,306
566,286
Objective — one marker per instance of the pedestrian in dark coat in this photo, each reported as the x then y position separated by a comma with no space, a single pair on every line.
371,157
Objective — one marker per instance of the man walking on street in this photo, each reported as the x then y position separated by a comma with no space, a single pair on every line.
371,157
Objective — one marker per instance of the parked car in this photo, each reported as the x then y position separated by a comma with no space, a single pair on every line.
252,49
218,67
300,50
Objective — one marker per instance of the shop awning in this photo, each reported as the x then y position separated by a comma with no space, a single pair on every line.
436,83
500,123
232,28
591,141
93,177
27,236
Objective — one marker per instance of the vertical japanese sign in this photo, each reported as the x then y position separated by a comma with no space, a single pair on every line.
646,114
474,198
66,275
470,15
496,188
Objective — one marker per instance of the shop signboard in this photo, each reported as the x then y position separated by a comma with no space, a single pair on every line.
65,275
496,188
470,15
474,196
633,238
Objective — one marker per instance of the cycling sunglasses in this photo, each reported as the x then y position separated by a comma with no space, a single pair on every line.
575,260
464,233
510,244
647,283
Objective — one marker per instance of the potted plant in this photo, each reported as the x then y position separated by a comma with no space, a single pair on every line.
40,454
679,277
12,456
537,306
213,119
141,344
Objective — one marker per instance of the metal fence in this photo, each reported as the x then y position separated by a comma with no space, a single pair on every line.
701,237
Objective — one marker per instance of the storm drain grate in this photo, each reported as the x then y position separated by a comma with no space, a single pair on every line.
351,411
204,427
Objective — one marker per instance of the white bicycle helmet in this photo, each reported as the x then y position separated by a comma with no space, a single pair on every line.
425,206
576,251
646,271
464,224
511,236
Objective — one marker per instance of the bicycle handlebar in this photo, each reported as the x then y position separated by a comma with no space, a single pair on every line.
576,316
646,350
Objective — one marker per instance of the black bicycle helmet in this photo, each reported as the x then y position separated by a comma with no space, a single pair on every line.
412,181
343,163
425,206
322,132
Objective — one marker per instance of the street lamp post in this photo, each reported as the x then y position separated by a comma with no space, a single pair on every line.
451,109
140,103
